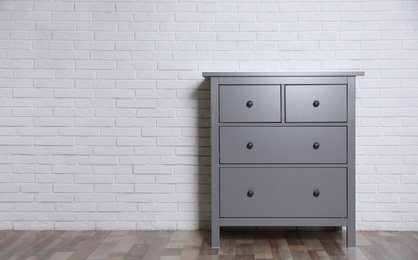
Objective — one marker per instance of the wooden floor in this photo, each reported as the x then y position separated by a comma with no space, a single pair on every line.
170,245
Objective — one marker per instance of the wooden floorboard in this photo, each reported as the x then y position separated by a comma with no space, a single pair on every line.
189,245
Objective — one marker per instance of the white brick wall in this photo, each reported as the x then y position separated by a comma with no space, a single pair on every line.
104,115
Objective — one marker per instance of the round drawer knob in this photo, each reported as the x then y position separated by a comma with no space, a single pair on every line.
315,145
250,146
316,103
316,193
249,104
250,193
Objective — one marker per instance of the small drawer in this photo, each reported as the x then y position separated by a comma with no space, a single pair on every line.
316,103
283,145
283,192
249,103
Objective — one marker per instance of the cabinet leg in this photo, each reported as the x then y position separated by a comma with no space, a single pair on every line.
338,229
215,237
351,236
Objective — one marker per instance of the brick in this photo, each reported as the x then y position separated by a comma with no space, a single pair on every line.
94,197
135,179
135,46
173,141
34,207
236,36
154,188
109,169
398,188
93,45
112,150
114,188
154,113
409,198
93,179
168,7
147,160
157,207
29,16
74,226
155,17
137,198
54,141
72,188
154,150
66,74
103,122
76,207
49,197
108,74
18,216
258,8
13,197
113,36
98,160
95,7
97,217
56,26
96,65
116,207
136,65
110,55
13,6
306,7
135,122
50,160
218,27
94,103
151,169
38,74
381,216
127,7
112,16
142,216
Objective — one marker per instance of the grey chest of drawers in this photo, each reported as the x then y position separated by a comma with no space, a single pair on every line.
283,150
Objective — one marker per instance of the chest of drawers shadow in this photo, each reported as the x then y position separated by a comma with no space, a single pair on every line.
283,150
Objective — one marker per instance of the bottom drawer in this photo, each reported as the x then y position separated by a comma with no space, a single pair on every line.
283,192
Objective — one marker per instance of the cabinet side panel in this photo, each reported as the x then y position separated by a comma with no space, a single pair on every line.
351,179
214,89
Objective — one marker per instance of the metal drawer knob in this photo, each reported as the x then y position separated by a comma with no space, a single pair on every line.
316,103
315,145
250,146
316,193
249,104
250,193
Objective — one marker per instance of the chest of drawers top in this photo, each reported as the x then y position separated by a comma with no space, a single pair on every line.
283,74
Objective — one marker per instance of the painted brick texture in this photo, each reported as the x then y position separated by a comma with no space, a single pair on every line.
105,117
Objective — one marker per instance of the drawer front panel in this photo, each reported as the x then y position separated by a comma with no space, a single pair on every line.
249,103
316,103
283,192
283,145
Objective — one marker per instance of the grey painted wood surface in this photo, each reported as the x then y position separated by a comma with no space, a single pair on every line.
283,192
283,144
283,74
249,103
280,144
316,103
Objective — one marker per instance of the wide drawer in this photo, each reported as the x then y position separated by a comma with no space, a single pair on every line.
283,144
283,192
249,103
316,103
